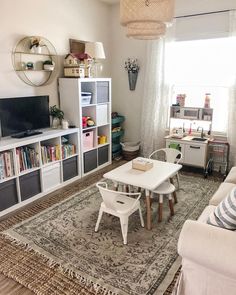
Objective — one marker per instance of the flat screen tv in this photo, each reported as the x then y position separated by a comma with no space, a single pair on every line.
24,115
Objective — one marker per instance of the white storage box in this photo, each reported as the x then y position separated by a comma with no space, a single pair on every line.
88,140
86,98
51,176
102,114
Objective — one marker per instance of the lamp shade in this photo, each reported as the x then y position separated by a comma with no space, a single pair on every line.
140,11
95,50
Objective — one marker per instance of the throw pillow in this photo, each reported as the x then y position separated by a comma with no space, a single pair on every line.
225,213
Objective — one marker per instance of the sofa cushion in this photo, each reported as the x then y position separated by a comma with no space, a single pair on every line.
231,176
205,213
224,214
222,192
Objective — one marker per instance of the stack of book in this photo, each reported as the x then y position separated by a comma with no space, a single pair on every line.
6,165
27,158
68,150
50,153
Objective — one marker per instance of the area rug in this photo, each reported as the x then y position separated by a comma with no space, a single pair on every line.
63,236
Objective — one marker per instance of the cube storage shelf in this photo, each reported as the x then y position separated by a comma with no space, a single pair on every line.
95,141
34,166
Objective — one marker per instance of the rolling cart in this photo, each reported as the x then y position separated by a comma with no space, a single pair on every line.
218,157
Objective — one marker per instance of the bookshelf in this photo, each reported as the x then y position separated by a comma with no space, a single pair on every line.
95,139
34,166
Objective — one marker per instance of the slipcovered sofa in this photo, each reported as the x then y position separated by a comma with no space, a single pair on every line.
208,252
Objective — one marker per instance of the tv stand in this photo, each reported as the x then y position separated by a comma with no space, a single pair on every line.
26,134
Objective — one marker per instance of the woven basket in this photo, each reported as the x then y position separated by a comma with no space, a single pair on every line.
138,11
130,155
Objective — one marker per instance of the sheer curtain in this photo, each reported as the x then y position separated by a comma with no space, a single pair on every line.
156,96
232,101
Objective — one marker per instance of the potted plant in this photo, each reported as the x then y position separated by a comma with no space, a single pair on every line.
57,116
48,65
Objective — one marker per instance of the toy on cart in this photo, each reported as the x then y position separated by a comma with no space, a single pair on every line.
218,157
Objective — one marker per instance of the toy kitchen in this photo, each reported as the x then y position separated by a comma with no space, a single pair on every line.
190,132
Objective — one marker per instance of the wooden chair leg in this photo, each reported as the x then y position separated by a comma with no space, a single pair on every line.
174,193
171,206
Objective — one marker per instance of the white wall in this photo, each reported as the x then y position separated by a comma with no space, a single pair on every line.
129,103
55,20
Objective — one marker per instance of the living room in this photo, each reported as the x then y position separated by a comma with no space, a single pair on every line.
100,263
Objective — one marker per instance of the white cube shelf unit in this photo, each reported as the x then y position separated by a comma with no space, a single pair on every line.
95,140
34,166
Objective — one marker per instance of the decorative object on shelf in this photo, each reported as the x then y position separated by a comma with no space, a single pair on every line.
29,66
146,19
39,49
96,51
64,124
36,45
180,100
48,65
87,122
77,65
207,101
131,65
57,116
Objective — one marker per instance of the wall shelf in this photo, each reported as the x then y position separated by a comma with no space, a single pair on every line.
22,54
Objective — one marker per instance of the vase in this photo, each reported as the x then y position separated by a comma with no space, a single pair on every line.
132,80
55,122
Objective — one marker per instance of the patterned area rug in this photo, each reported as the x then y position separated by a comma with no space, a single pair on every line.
64,236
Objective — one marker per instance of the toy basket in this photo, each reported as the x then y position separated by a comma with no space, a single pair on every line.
130,150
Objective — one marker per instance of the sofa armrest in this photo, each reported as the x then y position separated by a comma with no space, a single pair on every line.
209,246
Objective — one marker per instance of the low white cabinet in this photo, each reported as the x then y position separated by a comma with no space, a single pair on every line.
34,166
194,154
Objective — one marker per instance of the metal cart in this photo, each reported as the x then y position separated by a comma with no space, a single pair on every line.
218,157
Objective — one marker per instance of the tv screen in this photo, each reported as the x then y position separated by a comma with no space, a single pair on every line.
20,114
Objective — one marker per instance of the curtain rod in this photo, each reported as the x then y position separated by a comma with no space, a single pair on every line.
204,13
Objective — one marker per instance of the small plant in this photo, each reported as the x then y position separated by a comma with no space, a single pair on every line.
35,42
48,62
55,112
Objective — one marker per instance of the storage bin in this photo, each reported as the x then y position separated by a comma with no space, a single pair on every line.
88,140
51,176
8,194
70,168
102,114
103,155
86,98
30,185
90,160
102,91
130,150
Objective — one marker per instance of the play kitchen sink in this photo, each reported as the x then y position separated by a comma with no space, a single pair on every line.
199,139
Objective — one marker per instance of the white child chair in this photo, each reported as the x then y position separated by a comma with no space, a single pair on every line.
170,155
119,204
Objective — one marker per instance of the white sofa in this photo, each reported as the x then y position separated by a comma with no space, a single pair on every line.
208,252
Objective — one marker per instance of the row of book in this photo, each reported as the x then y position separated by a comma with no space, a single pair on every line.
68,150
6,165
27,158
50,153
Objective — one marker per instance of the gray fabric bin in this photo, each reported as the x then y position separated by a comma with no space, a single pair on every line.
8,194
30,185
102,92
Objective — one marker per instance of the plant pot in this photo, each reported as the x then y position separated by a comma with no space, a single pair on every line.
132,80
55,122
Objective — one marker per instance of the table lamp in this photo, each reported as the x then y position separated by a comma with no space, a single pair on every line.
96,51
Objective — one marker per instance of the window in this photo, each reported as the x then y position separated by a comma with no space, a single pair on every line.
198,67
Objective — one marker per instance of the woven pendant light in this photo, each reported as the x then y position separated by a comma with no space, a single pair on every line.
146,11
146,19
137,30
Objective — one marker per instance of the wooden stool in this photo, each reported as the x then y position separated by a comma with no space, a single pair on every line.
165,189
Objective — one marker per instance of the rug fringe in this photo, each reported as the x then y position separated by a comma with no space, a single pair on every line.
87,283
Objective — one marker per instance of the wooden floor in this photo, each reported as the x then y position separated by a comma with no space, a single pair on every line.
10,287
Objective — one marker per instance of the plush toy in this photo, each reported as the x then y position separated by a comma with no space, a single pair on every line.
84,122
90,122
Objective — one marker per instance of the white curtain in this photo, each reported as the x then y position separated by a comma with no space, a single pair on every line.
232,100
156,97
